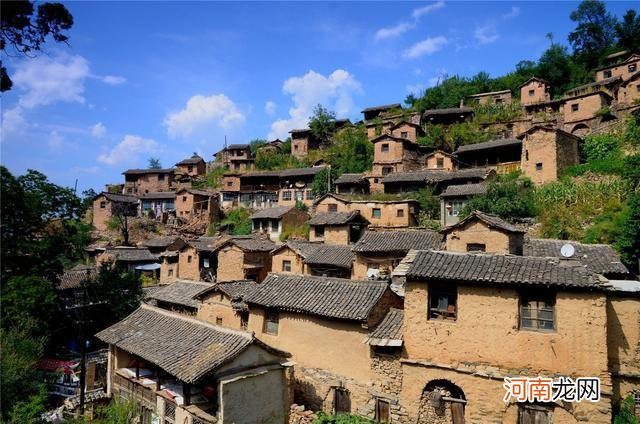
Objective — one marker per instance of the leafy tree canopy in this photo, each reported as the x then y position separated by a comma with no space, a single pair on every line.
154,163
322,123
596,29
351,151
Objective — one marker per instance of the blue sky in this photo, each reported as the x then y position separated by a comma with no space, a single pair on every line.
165,79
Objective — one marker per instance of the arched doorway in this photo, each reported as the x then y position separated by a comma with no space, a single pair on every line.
441,402
580,130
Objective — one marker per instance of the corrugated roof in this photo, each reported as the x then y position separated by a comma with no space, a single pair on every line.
184,347
389,331
336,218
333,255
493,221
464,190
492,144
398,241
323,296
180,292
351,179
272,213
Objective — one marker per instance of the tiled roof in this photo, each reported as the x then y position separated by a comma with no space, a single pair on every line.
121,198
236,290
194,160
333,255
184,347
598,258
351,179
300,172
148,171
324,296
131,254
533,79
602,83
389,331
180,292
205,244
464,190
492,144
237,146
336,218
159,195
382,107
299,130
161,241
74,277
492,221
492,269
433,176
272,213
447,111
302,247
398,241
253,243
197,192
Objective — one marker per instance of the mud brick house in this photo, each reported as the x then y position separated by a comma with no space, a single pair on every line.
454,198
230,190
258,189
454,115
352,184
195,203
70,285
502,154
134,258
440,160
290,257
337,227
379,213
481,232
244,258
547,152
301,142
583,107
545,316
492,98
625,70
395,154
535,90
236,157
143,181
161,244
273,221
437,180
223,303
330,261
274,145
179,296
190,168
377,253
629,91
180,369
323,322
106,205
197,260
155,204
295,186
379,111
407,130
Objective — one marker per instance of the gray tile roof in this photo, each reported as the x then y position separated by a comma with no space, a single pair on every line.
323,296
253,243
161,241
194,160
131,254
302,247
336,218
159,195
464,190
434,176
300,172
447,111
197,192
492,144
74,277
237,146
399,241
148,171
236,290
180,292
120,198
382,107
389,331
492,221
598,258
205,244
333,255
493,269
272,213
351,179
184,347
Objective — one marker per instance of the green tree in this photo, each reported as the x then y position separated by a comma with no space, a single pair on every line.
508,196
554,66
322,123
595,32
323,182
25,33
255,144
154,163
120,288
351,151
628,243
238,222
628,31
31,409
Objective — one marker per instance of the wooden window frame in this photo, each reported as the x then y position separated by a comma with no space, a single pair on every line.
476,247
271,316
533,313
384,147
318,234
400,213
575,107
378,417
286,195
437,313
286,262
373,213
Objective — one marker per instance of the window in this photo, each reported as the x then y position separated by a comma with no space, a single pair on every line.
526,154
607,73
400,213
375,180
189,259
632,68
190,168
539,166
319,231
332,207
385,147
286,195
170,273
404,134
575,107
532,93
229,183
387,170
295,147
103,205
160,177
537,312
442,302
271,322
286,266
498,100
309,195
184,198
454,207
476,247
382,411
529,413
299,195
440,163
376,213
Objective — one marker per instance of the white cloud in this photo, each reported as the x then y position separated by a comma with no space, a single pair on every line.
56,140
486,34
421,11
13,121
270,108
392,32
98,130
515,11
113,80
46,80
129,149
335,92
201,111
427,46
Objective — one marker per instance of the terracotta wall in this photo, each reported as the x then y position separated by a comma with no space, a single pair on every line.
333,235
540,93
621,70
299,147
218,306
230,264
287,254
189,269
388,211
169,271
623,342
148,183
629,94
478,232
412,132
447,162
587,107
101,214
553,151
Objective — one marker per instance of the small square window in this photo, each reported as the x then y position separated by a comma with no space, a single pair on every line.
400,213
532,93
286,266
310,195
190,168
476,247
161,177
103,205
575,107
271,320
184,198
171,273
286,195
229,183
385,147
632,68
319,231
189,259
607,73
376,213
537,312
404,134
218,321
539,166
443,302
295,147
332,207
387,170
375,180
440,163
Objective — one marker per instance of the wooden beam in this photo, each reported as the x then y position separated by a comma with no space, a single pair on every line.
186,391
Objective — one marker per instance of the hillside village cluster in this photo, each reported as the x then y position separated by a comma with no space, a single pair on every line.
372,315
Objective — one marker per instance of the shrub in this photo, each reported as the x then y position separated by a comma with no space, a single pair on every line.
508,196
341,419
238,222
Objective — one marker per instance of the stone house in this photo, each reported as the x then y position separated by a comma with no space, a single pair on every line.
106,205
273,145
379,111
137,259
352,184
244,258
629,91
502,154
230,190
547,152
258,189
195,203
454,115
190,168
481,232
274,221
583,107
196,261
436,180
377,253
545,317
440,160
492,98
223,304
290,257
379,213
295,186
337,227
236,157
454,198
155,204
625,70
183,370
301,142
395,154
535,90
142,181
161,244
330,261
407,130
323,322
178,296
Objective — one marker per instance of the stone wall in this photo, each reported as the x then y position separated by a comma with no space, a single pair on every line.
217,306
478,232
230,264
101,213
189,269
540,93
412,132
587,107
169,271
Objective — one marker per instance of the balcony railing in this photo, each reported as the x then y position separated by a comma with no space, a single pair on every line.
507,167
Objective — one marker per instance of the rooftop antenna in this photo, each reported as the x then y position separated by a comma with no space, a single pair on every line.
567,250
